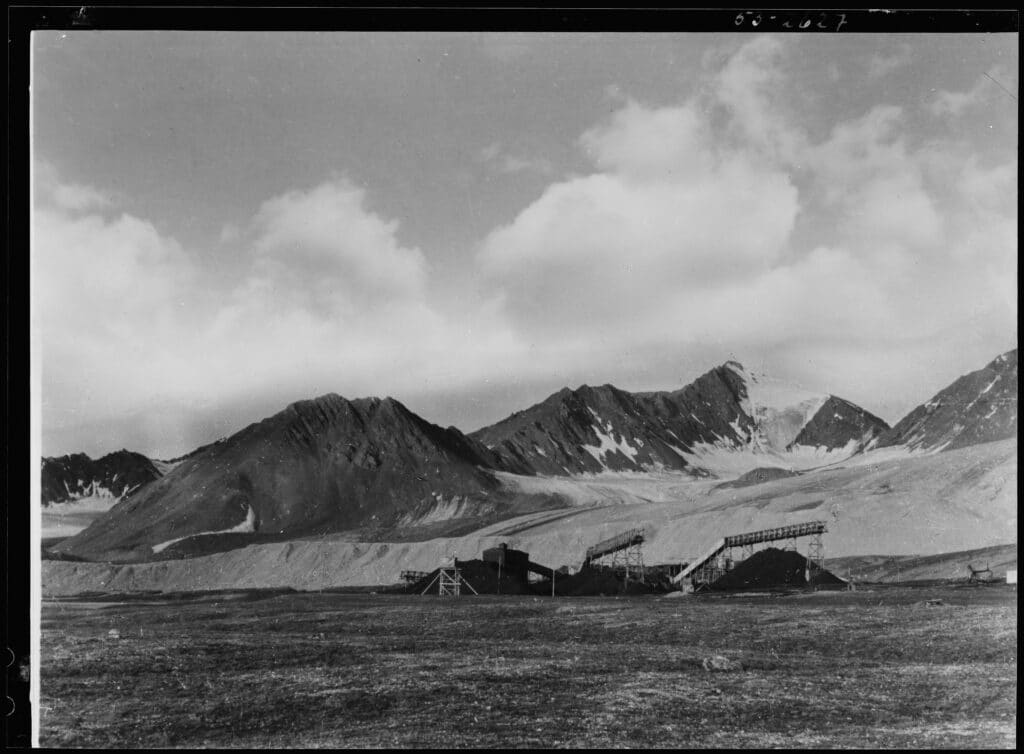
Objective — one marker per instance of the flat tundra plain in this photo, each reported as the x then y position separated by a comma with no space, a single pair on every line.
878,667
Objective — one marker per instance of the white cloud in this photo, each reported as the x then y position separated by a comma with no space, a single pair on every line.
79,197
111,294
750,85
690,235
73,197
684,234
501,161
130,321
637,142
986,88
327,230
606,250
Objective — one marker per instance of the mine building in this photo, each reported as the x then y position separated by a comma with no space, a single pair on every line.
511,563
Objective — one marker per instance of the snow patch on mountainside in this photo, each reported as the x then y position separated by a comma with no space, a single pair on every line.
165,467
91,490
248,526
608,442
443,509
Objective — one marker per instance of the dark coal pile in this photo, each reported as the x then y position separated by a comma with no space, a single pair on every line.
595,582
772,568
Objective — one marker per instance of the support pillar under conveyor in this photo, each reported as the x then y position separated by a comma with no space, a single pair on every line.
815,556
630,560
626,552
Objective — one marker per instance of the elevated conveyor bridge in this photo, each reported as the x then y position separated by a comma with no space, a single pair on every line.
625,550
713,562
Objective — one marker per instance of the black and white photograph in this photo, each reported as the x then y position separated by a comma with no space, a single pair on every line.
524,389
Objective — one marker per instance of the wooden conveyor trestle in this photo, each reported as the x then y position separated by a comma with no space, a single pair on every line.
712,563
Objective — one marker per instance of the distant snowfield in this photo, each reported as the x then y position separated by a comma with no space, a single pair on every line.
67,519
894,453
915,504
780,409
612,487
728,462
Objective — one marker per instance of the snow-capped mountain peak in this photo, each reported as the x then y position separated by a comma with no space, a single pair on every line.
780,410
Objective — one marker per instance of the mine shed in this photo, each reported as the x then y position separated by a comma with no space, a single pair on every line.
500,570
514,562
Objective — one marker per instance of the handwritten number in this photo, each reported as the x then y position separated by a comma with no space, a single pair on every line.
756,19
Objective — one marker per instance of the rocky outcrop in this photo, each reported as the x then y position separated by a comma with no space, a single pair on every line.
838,422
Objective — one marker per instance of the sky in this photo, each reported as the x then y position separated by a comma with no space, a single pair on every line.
225,222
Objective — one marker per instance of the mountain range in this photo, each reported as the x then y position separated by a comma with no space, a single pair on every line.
372,467
725,415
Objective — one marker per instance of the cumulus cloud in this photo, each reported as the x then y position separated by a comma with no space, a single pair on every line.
110,291
749,86
867,171
712,225
639,142
606,249
685,231
672,214
329,229
328,299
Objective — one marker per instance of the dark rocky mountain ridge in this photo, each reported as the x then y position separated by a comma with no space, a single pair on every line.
979,407
836,422
321,465
594,429
72,477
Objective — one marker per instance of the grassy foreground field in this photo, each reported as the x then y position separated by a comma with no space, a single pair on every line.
878,668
